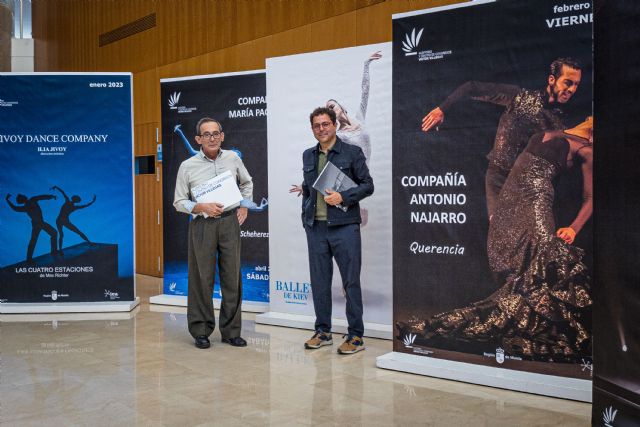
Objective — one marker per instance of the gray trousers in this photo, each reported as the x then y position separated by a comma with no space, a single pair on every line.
211,238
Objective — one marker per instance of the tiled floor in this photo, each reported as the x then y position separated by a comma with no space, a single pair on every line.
142,369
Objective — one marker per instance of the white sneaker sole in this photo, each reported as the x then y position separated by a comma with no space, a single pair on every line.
357,349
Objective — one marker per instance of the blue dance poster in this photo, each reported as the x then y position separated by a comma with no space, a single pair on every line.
66,218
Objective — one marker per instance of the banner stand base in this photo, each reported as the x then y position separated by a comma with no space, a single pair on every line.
69,307
69,317
373,330
528,382
181,301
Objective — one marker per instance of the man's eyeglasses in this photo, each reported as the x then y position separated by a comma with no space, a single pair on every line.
323,125
211,135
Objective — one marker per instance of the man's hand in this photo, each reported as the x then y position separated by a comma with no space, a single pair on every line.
296,189
434,118
242,214
211,209
333,197
567,234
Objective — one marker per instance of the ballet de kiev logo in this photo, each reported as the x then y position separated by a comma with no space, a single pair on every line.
587,365
608,416
499,355
172,286
410,42
408,340
173,100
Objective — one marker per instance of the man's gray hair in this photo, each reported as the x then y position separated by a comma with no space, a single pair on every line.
205,120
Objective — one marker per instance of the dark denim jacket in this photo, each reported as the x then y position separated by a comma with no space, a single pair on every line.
352,162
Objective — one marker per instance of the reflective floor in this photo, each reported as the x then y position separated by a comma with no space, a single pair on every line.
141,368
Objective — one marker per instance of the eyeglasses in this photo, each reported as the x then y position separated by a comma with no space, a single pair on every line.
323,125
211,135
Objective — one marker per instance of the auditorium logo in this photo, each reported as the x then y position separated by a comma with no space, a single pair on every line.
410,42
173,100
608,416
173,104
410,48
409,340
174,289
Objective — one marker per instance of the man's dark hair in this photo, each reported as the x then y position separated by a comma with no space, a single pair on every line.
205,120
556,66
323,110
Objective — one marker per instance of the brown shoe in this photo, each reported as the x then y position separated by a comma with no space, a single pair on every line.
351,345
318,340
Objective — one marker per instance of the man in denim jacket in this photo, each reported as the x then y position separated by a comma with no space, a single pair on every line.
333,233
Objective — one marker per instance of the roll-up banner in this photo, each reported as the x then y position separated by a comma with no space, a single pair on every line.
616,314
66,156
359,80
238,101
485,180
